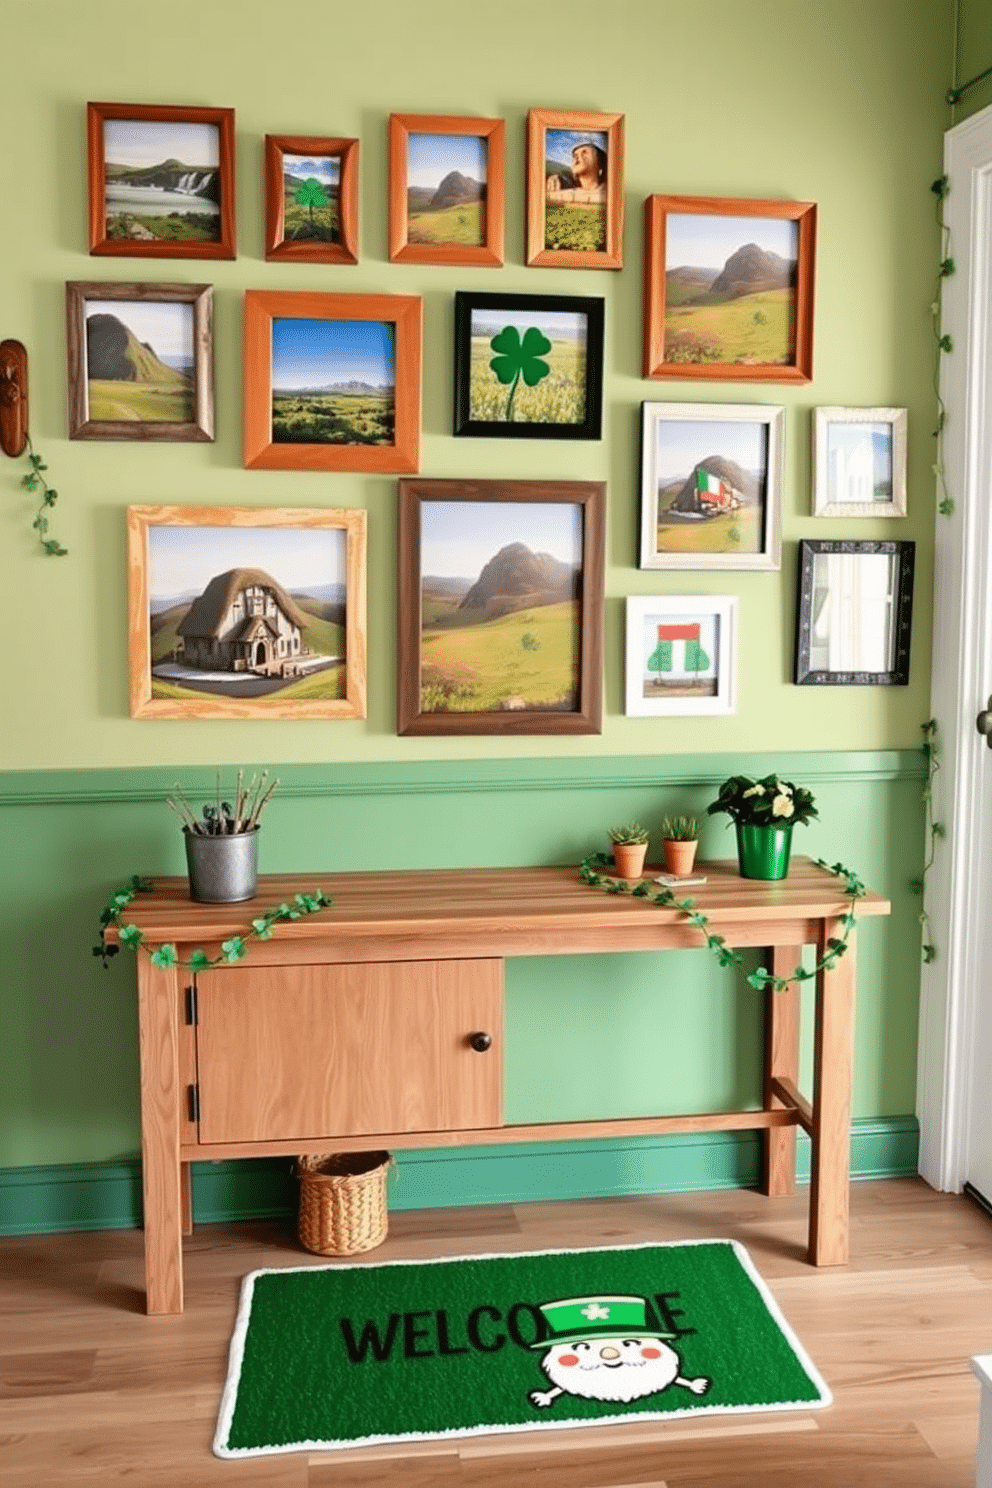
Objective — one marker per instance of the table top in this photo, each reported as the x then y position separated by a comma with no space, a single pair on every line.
509,904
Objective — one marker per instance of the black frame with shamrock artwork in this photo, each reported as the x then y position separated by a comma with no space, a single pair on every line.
528,366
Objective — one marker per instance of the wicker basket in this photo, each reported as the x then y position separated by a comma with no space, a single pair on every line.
343,1202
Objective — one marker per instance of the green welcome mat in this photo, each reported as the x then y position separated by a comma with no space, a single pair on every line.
351,1355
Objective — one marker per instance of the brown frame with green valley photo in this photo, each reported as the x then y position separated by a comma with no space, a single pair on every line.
500,614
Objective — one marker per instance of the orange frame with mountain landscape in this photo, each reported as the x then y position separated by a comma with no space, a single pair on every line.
687,332
404,248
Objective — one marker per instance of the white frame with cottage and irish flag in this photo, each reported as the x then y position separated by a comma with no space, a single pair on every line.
737,448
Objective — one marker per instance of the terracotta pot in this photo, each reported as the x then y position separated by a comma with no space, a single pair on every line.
680,856
629,858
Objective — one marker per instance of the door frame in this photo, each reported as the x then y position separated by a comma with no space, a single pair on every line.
959,887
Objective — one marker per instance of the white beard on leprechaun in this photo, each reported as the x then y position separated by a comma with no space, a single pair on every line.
606,1365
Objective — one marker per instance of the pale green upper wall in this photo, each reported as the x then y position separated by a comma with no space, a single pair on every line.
836,101
974,56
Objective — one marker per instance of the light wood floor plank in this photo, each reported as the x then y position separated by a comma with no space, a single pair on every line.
95,1393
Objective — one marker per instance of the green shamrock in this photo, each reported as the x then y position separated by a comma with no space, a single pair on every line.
311,194
519,359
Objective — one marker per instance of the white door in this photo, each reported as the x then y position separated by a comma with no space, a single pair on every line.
954,1086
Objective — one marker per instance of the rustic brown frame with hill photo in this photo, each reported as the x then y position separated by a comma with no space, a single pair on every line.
266,579
769,339
568,124
273,316
488,252
144,244
507,665
279,247
136,378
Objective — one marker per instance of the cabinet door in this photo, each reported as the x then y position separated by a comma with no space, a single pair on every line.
313,1051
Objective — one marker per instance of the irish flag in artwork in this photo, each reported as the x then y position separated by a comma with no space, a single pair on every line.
713,490
692,660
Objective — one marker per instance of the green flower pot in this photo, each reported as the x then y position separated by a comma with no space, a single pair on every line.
763,852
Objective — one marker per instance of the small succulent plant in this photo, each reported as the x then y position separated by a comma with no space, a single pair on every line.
632,832
680,829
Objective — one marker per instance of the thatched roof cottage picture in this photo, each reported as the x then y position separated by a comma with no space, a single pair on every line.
255,619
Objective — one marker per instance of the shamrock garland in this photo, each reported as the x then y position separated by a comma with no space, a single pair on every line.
761,977
518,359
166,955
34,480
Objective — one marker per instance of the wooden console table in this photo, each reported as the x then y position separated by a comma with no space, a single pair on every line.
378,1023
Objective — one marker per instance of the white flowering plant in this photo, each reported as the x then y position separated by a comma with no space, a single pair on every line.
769,802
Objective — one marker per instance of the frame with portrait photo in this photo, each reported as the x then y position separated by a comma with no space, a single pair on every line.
575,189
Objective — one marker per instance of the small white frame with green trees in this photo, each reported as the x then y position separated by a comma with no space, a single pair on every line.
681,654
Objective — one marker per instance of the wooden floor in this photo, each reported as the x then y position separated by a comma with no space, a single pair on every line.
94,1392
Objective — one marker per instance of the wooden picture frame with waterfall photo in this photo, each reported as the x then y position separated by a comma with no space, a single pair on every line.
161,181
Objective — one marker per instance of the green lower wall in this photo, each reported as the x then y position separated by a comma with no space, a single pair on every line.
108,1196
586,1036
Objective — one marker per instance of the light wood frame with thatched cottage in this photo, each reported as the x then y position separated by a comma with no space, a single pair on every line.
246,612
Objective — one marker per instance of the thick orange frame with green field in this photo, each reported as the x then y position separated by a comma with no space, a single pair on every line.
403,312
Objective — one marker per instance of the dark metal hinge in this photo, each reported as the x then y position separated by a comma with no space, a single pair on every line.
194,1102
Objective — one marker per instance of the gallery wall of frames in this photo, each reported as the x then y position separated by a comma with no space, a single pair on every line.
260,612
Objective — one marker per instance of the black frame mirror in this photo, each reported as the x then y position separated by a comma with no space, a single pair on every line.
854,614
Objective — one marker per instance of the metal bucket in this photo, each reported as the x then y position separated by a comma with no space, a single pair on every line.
222,869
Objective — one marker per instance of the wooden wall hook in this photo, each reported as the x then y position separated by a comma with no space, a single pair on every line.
13,398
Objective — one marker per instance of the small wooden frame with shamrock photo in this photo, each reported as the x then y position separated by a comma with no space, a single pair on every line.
528,366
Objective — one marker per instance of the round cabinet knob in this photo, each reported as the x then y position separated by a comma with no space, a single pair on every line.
480,1042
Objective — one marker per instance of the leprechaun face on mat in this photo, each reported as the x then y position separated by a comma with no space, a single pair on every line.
611,1368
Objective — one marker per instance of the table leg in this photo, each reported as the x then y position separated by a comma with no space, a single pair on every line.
833,1059
186,1196
781,1062
158,1023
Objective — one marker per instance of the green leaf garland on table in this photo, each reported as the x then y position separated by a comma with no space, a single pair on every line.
761,977
166,955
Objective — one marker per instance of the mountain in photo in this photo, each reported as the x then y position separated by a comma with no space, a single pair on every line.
683,496
518,579
690,279
169,175
114,354
454,190
751,270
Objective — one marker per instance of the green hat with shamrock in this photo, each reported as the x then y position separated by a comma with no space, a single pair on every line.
578,1318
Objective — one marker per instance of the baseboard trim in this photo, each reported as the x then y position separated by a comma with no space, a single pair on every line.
107,1196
